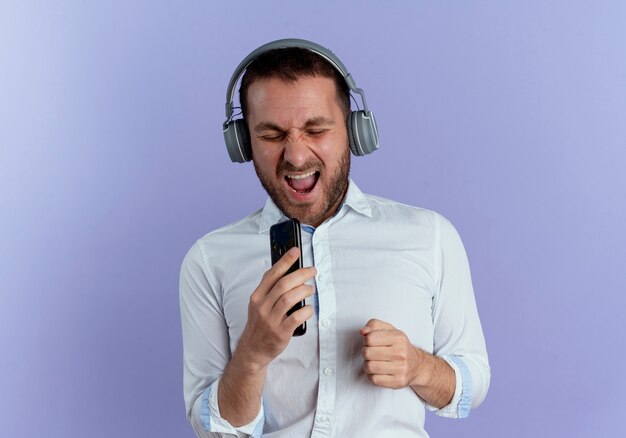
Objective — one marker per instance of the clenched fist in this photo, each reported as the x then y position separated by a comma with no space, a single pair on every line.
390,360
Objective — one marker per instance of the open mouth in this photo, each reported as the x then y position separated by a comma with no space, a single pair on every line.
303,183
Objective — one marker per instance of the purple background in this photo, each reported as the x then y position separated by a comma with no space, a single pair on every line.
507,117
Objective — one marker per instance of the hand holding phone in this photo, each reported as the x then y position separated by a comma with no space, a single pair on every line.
283,237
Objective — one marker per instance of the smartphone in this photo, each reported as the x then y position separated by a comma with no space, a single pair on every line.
283,237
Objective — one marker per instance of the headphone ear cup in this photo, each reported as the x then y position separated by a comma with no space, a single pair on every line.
237,141
362,132
351,136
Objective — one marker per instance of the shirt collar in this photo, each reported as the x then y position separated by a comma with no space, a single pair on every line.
355,199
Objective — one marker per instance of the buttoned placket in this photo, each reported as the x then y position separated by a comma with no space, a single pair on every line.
327,384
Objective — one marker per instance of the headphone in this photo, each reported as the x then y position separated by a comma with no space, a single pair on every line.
362,130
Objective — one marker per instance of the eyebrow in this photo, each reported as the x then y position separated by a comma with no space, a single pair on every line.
315,121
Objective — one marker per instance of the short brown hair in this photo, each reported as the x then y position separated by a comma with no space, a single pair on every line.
289,64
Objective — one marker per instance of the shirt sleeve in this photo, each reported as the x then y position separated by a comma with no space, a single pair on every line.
458,335
206,351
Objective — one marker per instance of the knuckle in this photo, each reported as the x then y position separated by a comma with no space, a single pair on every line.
281,285
303,314
296,318
406,381
284,300
299,317
267,274
291,322
366,353
255,299
406,378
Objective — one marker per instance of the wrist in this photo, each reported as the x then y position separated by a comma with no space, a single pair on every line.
248,361
425,364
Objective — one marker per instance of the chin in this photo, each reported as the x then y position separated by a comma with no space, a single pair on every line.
305,213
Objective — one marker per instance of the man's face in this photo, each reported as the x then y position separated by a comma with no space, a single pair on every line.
300,145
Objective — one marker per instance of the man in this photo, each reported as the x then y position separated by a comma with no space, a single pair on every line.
392,325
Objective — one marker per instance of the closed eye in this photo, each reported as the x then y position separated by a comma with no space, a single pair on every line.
272,137
316,132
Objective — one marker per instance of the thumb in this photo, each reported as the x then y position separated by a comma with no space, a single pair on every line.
377,324
365,330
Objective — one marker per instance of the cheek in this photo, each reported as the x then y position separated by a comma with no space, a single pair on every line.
266,157
332,149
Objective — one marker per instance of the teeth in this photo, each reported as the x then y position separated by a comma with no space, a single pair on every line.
301,176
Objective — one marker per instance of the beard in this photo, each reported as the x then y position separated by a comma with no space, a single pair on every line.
333,189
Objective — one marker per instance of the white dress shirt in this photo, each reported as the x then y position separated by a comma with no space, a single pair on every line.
375,258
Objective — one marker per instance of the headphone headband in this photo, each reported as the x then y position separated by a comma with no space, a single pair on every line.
284,44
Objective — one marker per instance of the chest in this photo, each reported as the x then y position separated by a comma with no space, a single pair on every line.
393,283
359,278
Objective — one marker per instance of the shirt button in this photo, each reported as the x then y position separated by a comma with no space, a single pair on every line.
328,371
325,323
320,278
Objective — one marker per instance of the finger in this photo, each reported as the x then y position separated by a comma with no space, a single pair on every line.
378,367
379,338
377,324
377,353
385,381
297,318
290,298
278,270
289,282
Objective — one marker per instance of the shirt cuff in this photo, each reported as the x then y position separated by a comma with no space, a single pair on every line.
212,421
461,403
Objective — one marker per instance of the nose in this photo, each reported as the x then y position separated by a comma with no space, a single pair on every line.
296,149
